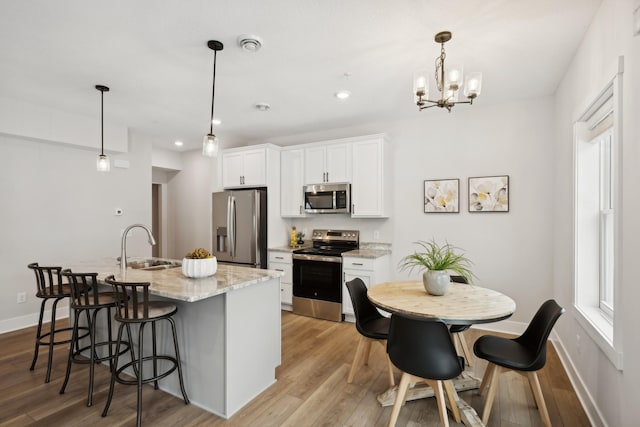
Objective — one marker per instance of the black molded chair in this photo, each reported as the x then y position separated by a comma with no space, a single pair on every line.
372,326
86,298
457,331
423,350
134,307
50,287
524,354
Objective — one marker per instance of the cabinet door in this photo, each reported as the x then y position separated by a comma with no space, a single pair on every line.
286,293
231,169
366,276
254,168
367,189
314,165
291,182
338,163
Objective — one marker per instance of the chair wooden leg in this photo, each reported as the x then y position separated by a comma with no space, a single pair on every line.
465,349
438,392
392,381
453,399
487,376
367,350
356,359
493,388
537,394
401,394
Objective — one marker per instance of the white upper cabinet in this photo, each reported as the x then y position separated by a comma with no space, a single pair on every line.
291,182
371,179
244,168
327,163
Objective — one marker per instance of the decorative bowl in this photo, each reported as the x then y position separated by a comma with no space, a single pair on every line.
198,268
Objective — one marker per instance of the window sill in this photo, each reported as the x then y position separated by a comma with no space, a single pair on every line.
601,332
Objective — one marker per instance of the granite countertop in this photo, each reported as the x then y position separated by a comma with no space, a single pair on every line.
171,283
366,253
289,249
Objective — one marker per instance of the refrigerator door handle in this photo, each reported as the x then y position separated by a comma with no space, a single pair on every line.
233,229
230,224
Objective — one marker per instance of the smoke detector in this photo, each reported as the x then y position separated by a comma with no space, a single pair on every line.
263,106
249,42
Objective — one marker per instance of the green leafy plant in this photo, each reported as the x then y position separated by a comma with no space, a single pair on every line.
438,257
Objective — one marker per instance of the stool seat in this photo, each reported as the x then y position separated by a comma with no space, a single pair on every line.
134,307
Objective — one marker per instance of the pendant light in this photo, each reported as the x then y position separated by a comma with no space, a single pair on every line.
210,142
103,164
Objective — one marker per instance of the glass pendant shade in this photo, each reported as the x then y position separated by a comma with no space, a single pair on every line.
210,145
421,84
473,85
453,77
103,164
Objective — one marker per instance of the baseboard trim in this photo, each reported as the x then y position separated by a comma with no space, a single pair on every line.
21,322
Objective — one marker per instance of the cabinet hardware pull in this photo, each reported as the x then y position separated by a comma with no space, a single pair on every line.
279,257
357,263
353,208
278,269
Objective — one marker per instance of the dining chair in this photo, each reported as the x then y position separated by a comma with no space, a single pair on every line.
457,331
423,350
372,326
525,354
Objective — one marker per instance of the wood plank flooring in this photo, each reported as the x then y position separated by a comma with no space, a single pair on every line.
311,389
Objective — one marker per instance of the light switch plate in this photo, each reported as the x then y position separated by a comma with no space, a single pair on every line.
636,21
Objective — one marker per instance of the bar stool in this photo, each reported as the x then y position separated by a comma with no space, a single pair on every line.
50,287
86,298
134,307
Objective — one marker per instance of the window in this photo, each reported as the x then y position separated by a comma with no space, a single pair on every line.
596,229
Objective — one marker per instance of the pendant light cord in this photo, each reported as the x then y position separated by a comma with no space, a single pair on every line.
102,123
213,91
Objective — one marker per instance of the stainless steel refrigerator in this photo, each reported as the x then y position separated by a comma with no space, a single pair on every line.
240,227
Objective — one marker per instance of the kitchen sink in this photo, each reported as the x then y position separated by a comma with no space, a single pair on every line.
153,264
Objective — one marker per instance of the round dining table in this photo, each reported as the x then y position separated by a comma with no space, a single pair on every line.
463,304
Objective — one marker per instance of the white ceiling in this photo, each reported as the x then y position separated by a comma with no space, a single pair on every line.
153,56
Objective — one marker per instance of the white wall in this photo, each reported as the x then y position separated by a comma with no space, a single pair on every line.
609,36
57,209
511,251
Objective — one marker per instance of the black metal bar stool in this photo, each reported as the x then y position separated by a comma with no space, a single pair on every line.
85,297
134,307
50,287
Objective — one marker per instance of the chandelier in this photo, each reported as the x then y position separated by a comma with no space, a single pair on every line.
448,82
103,164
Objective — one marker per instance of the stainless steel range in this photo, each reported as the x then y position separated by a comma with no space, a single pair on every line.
317,274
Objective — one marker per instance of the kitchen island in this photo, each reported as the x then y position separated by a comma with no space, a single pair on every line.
228,330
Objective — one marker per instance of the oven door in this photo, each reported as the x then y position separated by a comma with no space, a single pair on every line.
320,280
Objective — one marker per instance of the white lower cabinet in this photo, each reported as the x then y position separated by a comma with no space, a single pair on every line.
281,261
372,271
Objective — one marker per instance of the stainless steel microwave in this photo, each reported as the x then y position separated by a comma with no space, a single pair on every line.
327,198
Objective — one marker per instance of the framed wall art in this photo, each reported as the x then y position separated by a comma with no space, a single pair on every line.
442,196
489,194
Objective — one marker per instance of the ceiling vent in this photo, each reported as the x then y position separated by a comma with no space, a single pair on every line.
250,43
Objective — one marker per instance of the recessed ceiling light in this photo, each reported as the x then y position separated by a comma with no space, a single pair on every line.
178,143
249,42
263,106
343,94
216,121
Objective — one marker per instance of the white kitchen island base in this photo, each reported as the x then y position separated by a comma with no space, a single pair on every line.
229,347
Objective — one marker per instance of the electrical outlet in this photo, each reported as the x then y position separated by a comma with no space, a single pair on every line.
376,235
578,343
22,297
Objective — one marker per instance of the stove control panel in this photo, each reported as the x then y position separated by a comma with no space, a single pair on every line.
336,235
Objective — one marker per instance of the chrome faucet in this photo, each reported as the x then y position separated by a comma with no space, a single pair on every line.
123,244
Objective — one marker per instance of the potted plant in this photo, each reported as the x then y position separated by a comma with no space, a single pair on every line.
438,261
199,263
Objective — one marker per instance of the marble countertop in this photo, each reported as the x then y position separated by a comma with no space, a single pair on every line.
171,283
289,249
366,253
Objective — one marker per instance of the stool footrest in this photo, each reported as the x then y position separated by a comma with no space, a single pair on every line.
87,359
134,365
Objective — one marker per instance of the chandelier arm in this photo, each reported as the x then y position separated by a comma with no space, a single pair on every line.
424,107
102,123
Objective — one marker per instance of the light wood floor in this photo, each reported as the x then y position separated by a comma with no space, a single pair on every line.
311,389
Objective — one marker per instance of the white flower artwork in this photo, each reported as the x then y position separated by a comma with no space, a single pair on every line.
489,194
441,196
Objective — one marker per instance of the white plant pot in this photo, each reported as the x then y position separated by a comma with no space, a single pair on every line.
436,282
198,268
